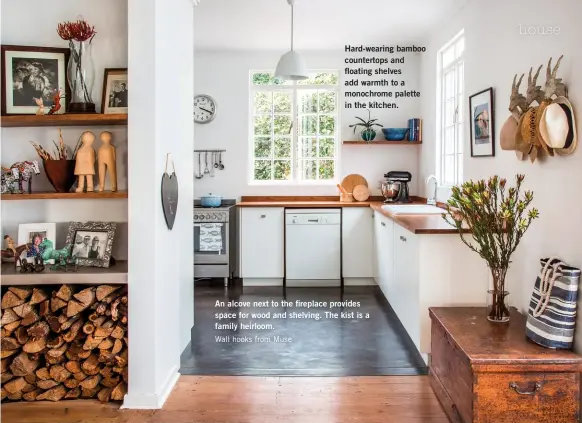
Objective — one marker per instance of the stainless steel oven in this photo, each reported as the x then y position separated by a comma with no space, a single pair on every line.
215,241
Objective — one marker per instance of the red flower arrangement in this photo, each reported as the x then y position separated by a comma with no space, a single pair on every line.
78,31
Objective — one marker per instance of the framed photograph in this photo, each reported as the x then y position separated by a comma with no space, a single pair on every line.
114,91
39,236
481,112
91,242
32,72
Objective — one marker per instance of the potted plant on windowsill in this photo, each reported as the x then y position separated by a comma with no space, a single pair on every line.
497,219
367,133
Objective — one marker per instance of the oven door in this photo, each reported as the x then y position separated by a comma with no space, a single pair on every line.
211,243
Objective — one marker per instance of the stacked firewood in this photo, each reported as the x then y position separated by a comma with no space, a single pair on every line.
66,345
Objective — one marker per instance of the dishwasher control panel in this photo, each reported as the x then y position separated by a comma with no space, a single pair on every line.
312,217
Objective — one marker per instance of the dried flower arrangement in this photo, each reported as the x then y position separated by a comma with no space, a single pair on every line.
497,217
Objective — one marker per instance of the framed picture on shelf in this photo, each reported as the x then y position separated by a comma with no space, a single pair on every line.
115,89
40,237
91,242
481,113
31,74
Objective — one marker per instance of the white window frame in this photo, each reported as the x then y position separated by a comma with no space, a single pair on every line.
458,123
295,88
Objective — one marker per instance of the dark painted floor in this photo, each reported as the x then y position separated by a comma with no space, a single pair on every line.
328,347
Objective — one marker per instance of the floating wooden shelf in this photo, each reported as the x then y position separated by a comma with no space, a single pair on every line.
116,274
65,195
95,119
384,142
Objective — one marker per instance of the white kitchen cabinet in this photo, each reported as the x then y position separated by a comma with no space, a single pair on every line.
262,245
384,252
357,242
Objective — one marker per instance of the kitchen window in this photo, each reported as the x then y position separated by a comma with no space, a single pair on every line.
294,128
450,114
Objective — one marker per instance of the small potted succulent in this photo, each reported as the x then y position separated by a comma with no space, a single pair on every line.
367,133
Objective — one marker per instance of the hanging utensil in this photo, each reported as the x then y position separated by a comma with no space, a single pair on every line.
220,165
216,160
212,160
199,175
206,171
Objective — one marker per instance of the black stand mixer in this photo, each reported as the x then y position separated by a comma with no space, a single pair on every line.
395,187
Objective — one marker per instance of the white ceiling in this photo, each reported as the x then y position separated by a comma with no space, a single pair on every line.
319,24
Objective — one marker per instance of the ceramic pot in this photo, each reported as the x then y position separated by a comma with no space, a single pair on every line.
368,134
60,173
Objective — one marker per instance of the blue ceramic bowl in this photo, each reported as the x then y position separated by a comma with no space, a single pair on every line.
395,134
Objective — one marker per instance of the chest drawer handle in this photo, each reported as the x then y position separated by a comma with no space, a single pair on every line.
537,388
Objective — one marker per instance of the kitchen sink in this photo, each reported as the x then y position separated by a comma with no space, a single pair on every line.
412,209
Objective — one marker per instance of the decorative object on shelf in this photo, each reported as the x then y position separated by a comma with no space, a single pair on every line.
395,134
67,341
115,91
497,218
481,112
106,161
38,264
11,254
50,255
15,176
545,117
91,242
169,190
85,162
546,325
57,97
81,69
291,66
204,108
368,133
25,266
59,169
31,72
415,129
40,104
36,235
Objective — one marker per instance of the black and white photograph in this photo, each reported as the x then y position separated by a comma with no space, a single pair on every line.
32,76
115,91
91,242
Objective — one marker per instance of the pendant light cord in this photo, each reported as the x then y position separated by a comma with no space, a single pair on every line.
292,25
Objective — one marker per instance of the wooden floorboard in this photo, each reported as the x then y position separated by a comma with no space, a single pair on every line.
246,399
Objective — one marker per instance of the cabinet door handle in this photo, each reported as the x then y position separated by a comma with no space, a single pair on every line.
263,216
536,389
382,223
403,239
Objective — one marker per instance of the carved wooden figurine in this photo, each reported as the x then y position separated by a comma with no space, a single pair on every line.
10,244
40,103
107,162
85,164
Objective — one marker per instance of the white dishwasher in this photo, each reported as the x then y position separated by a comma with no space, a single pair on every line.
313,247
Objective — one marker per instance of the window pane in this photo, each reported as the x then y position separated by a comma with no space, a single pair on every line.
459,169
267,78
326,125
282,102
449,84
308,125
327,147
307,147
449,112
327,101
461,109
262,125
449,164
282,170
263,102
307,169
460,78
262,170
448,56
262,147
321,78
283,125
449,140
283,147
326,169
308,102
460,139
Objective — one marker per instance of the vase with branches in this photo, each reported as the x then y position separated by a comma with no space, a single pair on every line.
81,70
491,220
367,132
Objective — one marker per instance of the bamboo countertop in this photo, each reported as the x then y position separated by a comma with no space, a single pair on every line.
417,224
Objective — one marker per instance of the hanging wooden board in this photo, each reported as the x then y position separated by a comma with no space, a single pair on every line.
170,194
353,180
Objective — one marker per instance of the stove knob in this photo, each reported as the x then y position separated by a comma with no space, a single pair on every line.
195,217
207,216
214,217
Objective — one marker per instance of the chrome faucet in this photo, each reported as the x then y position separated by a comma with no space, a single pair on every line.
432,199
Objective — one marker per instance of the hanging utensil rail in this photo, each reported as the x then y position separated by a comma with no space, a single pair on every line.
209,151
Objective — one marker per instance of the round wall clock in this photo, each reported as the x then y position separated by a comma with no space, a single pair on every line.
204,108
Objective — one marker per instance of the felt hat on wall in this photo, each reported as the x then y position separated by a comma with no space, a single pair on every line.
554,126
508,133
572,137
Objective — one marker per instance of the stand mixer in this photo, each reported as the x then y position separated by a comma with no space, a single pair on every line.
395,187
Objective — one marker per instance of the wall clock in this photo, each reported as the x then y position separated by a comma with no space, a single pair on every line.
204,108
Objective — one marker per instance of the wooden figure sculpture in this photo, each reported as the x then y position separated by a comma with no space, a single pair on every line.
85,164
10,244
106,162
39,102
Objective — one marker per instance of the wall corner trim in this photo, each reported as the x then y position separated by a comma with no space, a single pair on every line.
152,401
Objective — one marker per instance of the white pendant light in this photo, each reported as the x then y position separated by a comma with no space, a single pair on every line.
291,66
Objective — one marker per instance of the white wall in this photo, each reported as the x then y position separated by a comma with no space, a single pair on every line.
494,52
224,75
160,261
109,50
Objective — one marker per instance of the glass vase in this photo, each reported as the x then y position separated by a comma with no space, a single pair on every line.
81,77
498,298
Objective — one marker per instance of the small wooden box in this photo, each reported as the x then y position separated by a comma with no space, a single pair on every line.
485,372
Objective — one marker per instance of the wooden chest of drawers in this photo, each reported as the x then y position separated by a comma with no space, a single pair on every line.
491,373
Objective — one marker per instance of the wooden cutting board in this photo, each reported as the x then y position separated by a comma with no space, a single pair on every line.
361,193
353,180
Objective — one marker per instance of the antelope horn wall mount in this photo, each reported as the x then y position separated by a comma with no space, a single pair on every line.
534,92
554,86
